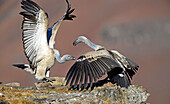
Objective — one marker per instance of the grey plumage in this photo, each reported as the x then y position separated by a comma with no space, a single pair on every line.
92,65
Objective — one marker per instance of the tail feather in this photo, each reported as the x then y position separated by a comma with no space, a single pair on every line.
22,66
25,67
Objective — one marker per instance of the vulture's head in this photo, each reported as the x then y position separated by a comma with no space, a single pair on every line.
64,58
79,40
69,57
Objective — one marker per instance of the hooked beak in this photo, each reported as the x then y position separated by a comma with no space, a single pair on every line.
73,58
75,42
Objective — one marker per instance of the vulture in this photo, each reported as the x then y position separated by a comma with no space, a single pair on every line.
92,65
39,40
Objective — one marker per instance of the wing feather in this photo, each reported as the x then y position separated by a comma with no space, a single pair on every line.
30,5
54,28
82,75
90,75
106,67
95,70
34,32
86,75
91,69
93,73
77,77
70,73
74,76
99,70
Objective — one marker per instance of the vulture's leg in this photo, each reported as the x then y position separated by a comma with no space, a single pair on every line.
48,79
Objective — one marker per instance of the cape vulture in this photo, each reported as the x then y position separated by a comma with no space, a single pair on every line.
91,66
39,40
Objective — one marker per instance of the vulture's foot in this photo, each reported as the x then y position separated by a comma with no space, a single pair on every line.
48,79
42,84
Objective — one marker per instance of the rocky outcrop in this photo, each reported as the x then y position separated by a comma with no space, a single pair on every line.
108,94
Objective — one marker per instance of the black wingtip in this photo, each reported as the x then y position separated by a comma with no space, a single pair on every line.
30,6
68,12
71,11
67,2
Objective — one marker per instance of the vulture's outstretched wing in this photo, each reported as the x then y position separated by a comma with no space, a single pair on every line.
51,33
34,34
90,67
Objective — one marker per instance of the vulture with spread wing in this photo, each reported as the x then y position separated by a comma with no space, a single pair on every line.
91,66
39,40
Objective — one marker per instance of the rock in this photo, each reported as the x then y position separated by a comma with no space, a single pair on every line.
3,102
2,95
16,84
42,84
109,94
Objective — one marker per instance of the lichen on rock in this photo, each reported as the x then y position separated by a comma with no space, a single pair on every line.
107,93
13,84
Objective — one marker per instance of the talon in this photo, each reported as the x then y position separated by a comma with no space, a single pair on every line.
48,80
